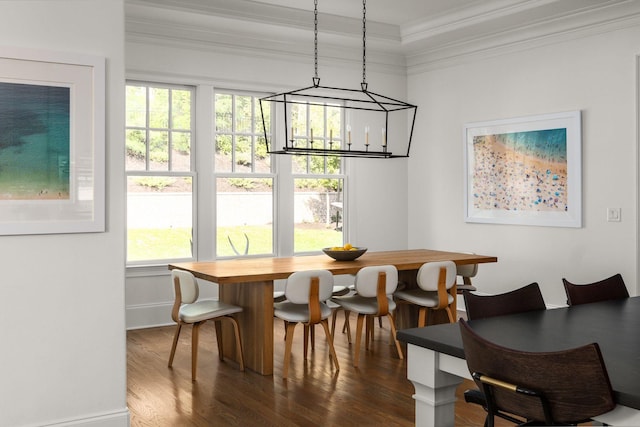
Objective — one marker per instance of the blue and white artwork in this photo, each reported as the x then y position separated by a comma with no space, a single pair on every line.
35,141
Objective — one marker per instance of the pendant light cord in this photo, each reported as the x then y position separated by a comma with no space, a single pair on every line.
364,45
316,79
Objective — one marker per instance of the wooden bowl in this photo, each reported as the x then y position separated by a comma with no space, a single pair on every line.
346,255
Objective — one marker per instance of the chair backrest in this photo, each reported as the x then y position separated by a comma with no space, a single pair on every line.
467,270
429,274
610,288
185,286
573,382
366,282
298,284
527,298
185,289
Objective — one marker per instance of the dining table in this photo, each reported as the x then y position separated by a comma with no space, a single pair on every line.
249,283
436,358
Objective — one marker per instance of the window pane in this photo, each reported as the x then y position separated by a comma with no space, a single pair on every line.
334,124
158,108
136,150
136,106
224,146
181,109
243,154
158,151
244,114
244,216
263,160
316,121
181,153
159,207
159,218
318,212
224,113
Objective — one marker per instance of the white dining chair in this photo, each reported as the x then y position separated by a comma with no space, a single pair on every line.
435,281
374,286
306,294
187,309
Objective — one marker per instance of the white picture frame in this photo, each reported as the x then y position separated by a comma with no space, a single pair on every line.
52,142
524,170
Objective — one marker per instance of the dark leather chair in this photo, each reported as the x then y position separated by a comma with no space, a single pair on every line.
610,288
523,299
526,298
548,388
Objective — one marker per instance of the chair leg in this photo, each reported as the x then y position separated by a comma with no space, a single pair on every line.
218,327
236,331
356,355
176,335
312,333
287,348
392,326
422,317
334,317
306,341
347,326
451,319
332,350
194,349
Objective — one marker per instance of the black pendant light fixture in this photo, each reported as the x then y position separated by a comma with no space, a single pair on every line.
372,125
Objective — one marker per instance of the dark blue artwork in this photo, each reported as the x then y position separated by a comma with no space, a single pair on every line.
35,141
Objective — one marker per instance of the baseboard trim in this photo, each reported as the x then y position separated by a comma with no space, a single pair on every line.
119,418
144,316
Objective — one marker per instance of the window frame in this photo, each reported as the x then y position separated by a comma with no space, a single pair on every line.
191,173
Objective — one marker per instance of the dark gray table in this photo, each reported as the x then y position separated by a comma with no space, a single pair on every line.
436,362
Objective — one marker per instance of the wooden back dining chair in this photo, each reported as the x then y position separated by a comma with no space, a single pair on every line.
187,309
526,298
606,289
436,289
374,286
563,387
306,293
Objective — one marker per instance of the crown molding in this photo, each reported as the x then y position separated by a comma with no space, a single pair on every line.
176,26
490,27
592,20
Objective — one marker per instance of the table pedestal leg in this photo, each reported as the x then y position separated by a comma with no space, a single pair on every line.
435,390
256,324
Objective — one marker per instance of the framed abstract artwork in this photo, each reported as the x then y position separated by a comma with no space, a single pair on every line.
524,170
52,142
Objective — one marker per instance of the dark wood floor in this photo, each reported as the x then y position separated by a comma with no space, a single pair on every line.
376,394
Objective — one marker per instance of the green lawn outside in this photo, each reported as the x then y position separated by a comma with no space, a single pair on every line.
153,244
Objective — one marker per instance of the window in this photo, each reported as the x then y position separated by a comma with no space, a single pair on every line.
244,180
318,182
241,187
159,129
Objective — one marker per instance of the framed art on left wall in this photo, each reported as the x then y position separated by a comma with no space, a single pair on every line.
52,142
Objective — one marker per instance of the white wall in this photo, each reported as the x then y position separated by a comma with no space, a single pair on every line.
63,357
595,74
377,192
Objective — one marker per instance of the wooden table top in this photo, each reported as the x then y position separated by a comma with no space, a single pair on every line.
262,269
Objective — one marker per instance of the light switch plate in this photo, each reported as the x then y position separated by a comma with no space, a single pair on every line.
613,215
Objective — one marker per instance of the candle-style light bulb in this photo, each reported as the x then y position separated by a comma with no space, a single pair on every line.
384,137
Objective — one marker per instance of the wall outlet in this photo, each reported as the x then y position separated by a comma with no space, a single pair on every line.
613,215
